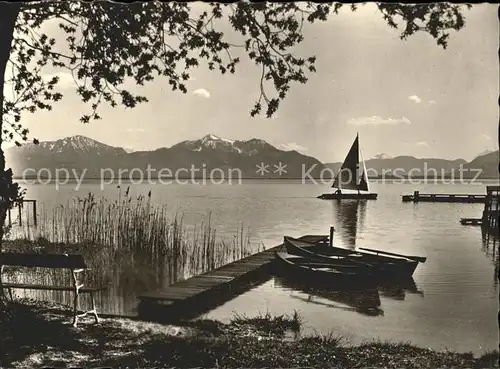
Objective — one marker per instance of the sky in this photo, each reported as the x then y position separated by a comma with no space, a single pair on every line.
403,97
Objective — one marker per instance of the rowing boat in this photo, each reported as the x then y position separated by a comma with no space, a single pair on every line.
385,264
336,270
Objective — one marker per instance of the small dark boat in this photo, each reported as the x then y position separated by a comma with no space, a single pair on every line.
338,270
390,264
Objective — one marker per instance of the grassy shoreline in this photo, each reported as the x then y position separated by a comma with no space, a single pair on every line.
39,334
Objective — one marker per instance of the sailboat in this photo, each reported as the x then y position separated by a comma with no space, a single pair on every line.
348,178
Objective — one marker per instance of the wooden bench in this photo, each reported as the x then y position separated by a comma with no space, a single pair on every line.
73,262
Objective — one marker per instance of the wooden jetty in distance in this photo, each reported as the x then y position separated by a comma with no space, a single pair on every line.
191,297
491,212
439,197
471,221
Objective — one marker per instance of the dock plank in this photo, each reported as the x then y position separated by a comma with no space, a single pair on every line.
172,292
197,280
204,284
219,277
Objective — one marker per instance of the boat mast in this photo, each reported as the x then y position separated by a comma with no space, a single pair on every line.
357,165
364,175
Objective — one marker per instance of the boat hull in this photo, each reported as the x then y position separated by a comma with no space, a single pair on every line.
348,196
384,265
308,271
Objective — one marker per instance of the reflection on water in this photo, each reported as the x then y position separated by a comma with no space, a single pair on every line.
490,246
365,301
398,289
362,301
362,213
349,216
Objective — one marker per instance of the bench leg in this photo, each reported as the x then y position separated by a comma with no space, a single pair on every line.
3,298
75,308
2,289
94,310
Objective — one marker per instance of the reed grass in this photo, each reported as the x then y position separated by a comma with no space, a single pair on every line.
143,232
269,324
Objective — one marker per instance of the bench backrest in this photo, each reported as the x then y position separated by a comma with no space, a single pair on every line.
69,261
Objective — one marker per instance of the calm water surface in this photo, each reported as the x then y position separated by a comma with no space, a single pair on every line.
454,301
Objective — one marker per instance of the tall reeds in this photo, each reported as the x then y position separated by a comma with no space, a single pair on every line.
144,233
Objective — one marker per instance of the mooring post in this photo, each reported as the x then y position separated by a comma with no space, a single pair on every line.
34,213
486,210
332,232
20,214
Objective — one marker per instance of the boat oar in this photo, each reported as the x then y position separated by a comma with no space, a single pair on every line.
420,259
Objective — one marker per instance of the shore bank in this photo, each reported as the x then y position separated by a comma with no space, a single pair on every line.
37,334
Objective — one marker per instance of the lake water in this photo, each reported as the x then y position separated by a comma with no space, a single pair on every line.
453,304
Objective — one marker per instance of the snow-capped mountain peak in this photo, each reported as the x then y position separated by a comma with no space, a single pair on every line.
213,138
80,143
213,142
75,144
210,137
210,141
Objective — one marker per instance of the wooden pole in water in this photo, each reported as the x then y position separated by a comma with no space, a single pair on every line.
332,232
486,217
34,213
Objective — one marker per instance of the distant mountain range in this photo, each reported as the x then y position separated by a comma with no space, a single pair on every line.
207,156
487,163
80,154
402,166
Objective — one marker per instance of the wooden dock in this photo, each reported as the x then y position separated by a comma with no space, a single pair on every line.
489,221
456,198
191,297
